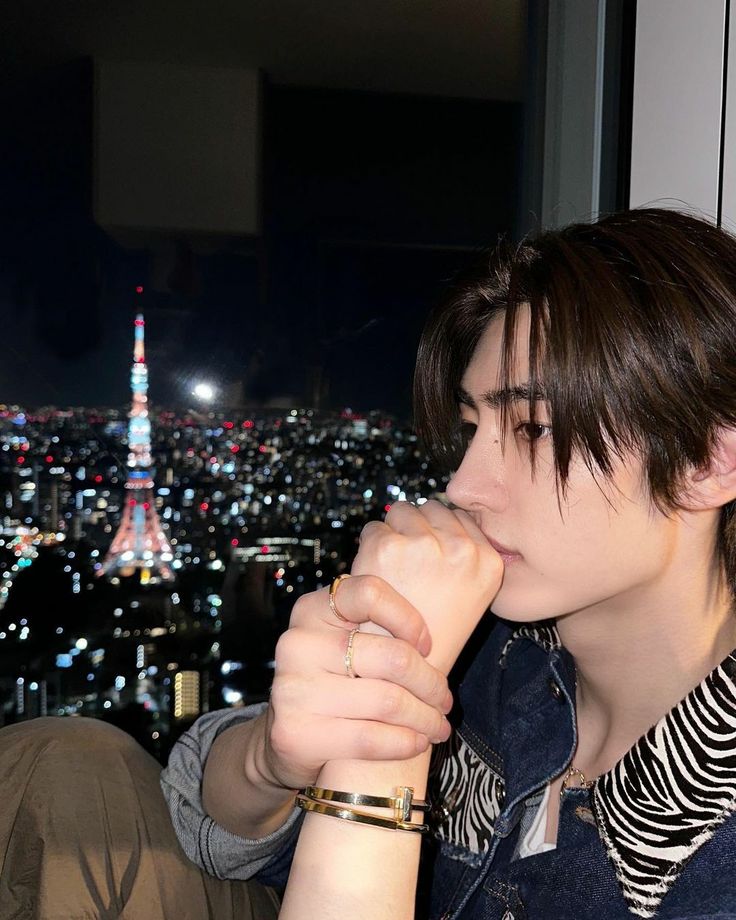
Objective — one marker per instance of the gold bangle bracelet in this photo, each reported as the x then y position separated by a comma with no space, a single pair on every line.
403,802
359,817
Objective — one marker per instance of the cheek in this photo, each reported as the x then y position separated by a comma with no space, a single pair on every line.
587,528
593,550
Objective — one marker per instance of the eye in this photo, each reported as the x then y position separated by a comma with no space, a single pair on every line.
533,432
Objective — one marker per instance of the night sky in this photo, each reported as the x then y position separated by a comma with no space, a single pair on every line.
370,203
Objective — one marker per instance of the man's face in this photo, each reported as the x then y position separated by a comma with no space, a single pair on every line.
601,544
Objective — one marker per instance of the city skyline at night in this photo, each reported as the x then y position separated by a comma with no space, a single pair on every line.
258,508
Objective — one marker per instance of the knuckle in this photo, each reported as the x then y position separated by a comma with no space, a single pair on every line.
282,693
387,547
460,548
284,646
370,529
399,658
300,610
391,703
369,746
371,590
282,737
490,564
437,687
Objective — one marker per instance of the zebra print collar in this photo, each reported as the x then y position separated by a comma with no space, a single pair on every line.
546,637
671,791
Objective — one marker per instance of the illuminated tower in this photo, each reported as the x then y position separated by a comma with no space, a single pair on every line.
140,543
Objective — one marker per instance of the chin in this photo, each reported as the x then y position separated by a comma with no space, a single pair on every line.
520,608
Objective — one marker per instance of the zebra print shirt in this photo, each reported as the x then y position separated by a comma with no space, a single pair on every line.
669,793
663,800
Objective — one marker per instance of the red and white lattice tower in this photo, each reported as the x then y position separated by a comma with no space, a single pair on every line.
140,543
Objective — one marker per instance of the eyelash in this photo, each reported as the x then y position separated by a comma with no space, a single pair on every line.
519,429
468,429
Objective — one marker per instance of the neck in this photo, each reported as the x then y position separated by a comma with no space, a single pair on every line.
638,657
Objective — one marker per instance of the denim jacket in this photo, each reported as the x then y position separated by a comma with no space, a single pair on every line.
653,837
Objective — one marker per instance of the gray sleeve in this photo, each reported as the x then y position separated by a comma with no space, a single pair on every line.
210,846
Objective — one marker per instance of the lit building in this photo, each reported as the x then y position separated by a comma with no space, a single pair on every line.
140,543
187,695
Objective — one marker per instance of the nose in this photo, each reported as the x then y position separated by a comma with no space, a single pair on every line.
479,483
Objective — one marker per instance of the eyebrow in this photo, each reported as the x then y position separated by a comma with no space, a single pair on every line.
495,399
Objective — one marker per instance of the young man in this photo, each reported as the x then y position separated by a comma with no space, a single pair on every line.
583,388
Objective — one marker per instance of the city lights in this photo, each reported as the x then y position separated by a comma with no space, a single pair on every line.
248,532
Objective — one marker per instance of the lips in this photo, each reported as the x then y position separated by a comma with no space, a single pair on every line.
503,550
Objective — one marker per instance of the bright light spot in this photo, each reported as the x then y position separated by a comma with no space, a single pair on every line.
204,391
81,644
232,696
107,704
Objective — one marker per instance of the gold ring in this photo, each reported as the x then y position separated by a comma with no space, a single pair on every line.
349,653
333,591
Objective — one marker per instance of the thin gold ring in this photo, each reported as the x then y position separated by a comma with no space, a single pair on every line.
348,659
333,591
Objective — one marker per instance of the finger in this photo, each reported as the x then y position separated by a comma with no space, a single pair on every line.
300,744
311,653
381,701
372,529
354,739
441,518
471,528
389,659
405,518
370,599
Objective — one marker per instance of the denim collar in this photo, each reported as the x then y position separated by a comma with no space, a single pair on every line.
671,791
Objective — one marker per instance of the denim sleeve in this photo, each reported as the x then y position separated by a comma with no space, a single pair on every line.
210,846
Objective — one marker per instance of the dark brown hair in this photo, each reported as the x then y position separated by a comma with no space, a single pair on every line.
633,342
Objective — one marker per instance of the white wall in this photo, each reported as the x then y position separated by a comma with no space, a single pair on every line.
678,98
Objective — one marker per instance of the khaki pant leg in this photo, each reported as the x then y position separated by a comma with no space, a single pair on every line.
85,834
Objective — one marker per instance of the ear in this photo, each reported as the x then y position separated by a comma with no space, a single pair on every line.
714,485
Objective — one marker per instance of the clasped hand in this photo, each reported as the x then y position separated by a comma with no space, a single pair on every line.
420,583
